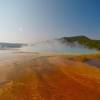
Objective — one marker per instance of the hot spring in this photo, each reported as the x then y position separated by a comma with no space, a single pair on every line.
56,47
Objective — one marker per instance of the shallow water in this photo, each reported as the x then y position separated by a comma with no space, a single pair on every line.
6,54
47,47
93,62
58,48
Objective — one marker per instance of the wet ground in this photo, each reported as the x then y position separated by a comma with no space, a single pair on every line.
93,62
49,77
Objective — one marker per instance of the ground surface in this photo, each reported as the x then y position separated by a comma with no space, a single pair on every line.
50,77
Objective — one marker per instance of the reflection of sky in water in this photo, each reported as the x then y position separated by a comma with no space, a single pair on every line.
6,54
57,48
45,47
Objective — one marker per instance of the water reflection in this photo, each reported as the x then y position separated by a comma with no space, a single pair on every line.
57,48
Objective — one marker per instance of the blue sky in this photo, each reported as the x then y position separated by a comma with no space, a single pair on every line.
35,20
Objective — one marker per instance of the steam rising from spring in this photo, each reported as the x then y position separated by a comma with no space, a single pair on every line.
56,46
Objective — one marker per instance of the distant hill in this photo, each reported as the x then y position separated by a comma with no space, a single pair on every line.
82,40
4,45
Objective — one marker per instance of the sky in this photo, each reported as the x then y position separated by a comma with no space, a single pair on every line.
29,21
